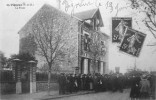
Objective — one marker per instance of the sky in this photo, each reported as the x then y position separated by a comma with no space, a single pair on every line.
13,18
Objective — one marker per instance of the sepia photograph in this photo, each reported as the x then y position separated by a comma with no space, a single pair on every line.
78,50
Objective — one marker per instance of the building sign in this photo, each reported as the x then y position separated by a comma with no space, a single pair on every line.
132,42
117,69
118,28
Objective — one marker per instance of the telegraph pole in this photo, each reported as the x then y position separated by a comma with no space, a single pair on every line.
135,67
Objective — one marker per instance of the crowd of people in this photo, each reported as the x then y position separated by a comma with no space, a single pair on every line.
69,83
141,85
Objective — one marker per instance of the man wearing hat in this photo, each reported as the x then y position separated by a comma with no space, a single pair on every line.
62,83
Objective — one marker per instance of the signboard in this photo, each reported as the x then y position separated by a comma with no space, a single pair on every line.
132,42
118,28
117,69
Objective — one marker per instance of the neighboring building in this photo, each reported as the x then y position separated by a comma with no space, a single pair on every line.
84,30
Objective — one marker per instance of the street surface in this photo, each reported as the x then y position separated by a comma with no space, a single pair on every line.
100,96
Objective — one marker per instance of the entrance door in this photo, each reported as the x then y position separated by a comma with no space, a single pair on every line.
82,65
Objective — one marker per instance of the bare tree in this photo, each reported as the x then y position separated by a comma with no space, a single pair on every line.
149,8
95,47
50,32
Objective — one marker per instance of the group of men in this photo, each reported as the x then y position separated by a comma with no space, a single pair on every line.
143,87
69,83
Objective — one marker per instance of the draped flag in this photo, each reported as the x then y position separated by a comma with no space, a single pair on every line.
118,28
132,42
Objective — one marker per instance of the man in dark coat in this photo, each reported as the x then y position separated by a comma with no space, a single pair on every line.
70,84
103,79
113,80
135,88
71,81
87,82
62,83
76,82
153,86
119,82
79,82
96,83
100,83
109,83
83,82
67,83
90,82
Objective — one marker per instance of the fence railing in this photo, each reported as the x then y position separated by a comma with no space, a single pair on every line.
43,86
8,83
44,77
6,76
8,87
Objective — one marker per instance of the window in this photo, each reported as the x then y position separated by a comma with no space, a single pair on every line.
87,41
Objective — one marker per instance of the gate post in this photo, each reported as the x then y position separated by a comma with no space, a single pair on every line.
18,76
32,76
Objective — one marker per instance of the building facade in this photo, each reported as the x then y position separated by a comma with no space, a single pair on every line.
85,48
93,44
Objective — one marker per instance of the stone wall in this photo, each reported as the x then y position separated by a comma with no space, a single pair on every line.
43,86
10,87
7,87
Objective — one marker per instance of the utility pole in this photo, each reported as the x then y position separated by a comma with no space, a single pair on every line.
135,67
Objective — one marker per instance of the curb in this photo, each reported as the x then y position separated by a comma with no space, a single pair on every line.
67,95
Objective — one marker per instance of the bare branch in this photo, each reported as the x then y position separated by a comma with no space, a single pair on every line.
151,21
151,30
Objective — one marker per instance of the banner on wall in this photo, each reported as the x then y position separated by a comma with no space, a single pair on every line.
132,42
119,25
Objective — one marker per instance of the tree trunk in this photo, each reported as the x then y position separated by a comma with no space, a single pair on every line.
49,79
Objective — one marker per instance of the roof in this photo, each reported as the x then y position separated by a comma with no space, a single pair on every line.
89,14
86,14
45,7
